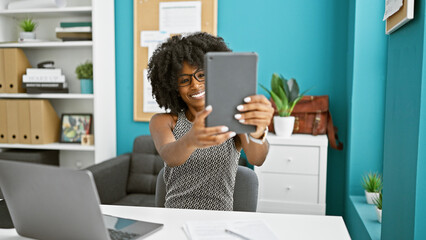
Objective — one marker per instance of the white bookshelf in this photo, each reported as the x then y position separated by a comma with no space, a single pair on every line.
47,96
51,146
49,12
48,44
67,55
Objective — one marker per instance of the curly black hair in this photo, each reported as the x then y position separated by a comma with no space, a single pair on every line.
167,62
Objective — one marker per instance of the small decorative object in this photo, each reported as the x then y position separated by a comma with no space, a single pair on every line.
74,126
84,72
378,203
285,94
372,184
28,26
87,139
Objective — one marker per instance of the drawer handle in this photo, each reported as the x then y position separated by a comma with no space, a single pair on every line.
288,188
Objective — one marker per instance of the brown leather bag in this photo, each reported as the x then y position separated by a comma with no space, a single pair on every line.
313,117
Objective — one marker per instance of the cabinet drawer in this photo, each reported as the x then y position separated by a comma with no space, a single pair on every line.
288,188
292,159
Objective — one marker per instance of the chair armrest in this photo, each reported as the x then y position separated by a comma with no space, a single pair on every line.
111,178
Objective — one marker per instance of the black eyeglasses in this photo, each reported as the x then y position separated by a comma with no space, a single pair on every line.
186,79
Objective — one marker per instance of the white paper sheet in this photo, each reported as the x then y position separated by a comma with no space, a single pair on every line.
252,229
391,7
180,17
242,229
152,39
208,230
149,103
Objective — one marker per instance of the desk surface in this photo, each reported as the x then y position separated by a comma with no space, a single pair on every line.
285,226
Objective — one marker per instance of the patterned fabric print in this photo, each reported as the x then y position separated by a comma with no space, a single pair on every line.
207,179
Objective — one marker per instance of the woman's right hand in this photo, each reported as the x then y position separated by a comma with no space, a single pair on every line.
201,136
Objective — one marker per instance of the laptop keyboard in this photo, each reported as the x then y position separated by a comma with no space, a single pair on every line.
119,235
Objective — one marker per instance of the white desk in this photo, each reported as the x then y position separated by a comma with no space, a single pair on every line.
285,226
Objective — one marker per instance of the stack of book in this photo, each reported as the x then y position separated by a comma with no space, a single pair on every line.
44,80
74,31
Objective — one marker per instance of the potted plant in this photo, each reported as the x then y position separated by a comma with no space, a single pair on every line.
378,203
372,184
285,94
28,26
84,72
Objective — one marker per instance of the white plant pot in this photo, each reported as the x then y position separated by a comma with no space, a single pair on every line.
283,126
27,35
369,196
379,215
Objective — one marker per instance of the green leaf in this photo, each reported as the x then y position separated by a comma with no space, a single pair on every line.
285,86
276,85
28,25
278,101
372,182
294,89
85,70
264,88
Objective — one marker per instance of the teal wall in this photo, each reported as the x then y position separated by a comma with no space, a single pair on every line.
404,147
301,39
127,129
305,39
366,92
367,47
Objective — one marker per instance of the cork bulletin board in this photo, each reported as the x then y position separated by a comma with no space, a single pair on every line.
146,18
404,14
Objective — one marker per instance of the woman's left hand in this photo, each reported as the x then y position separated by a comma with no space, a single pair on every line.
257,111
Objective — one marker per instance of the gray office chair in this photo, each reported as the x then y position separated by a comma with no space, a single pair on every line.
245,191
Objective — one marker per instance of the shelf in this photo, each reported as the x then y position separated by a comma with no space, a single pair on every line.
368,227
48,12
47,44
47,95
50,146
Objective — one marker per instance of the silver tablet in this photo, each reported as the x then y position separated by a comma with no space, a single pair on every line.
230,77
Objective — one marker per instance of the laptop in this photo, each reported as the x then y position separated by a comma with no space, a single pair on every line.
47,202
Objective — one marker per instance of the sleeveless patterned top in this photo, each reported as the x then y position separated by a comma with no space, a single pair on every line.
207,179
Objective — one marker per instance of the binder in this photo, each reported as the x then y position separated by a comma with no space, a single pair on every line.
44,122
2,73
16,64
3,121
24,121
12,116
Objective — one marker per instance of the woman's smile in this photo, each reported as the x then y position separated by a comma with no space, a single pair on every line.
198,95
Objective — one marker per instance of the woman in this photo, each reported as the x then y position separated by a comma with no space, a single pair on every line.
200,162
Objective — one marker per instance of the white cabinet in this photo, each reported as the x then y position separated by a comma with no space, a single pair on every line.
67,55
293,177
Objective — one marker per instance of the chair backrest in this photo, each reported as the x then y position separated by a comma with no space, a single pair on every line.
145,164
245,191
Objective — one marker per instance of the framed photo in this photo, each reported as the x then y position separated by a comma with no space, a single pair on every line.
402,16
75,125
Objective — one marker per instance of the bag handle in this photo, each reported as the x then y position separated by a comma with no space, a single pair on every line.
332,134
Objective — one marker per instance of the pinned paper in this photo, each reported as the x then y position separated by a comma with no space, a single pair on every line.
180,17
152,39
149,103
